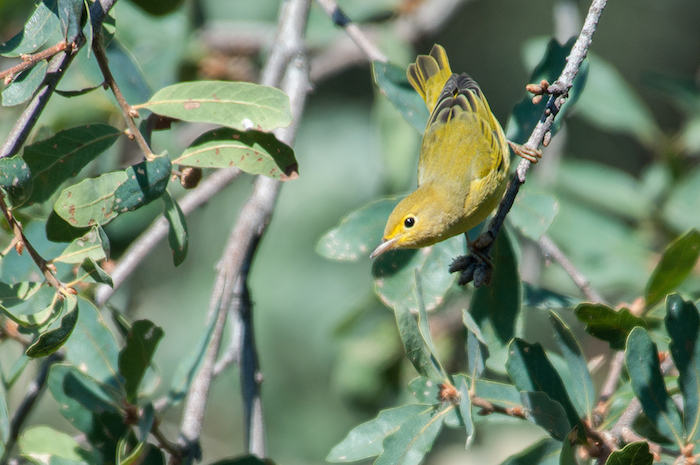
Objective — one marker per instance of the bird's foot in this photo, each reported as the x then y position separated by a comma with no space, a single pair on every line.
527,153
476,265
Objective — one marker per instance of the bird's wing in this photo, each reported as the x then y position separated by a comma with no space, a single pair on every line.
429,74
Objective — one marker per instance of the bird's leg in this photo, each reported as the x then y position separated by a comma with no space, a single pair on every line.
525,152
476,265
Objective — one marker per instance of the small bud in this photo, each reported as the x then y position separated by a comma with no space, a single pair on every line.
190,177
544,85
534,89
448,393
19,247
536,99
547,138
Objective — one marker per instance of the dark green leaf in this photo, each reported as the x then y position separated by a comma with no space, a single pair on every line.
16,179
477,350
606,324
158,7
359,232
178,237
36,32
526,115
417,349
146,421
544,452
59,230
254,152
533,213
239,105
538,297
24,85
414,438
50,341
530,370
675,265
366,440
393,83
87,247
145,183
581,389
41,443
57,159
95,273
127,72
70,12
683,325
648,383
636,453
465,411
546,413
568,451
77,93
135,357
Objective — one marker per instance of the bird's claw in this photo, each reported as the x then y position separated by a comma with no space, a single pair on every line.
476,266
533,155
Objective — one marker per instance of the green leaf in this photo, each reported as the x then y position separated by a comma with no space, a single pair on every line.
366,440
676,263
24,85
70,12
568,451
128,72
414,438
59,230
425,390
682,210
95,273
546,413
533,213
530,370
57,159
178,237
87,247
158,7
683,325
465,411
42,444
50,341
581,389
5,425
505,395
145,183
92,346
239,105
417,349
393,83
32,305
544,299
544,452
526,115
37,30
136,356
606,324
359,232
648,383
16,179
477,349
15,294
254,152
636,453
91,201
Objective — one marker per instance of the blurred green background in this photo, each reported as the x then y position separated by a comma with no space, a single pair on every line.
328,349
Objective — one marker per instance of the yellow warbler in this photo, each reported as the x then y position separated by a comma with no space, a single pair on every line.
464,160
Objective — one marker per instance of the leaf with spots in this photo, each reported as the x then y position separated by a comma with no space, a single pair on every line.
254,152
239,105
145,183
91,201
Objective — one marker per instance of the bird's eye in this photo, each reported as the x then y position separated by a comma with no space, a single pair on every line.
409,222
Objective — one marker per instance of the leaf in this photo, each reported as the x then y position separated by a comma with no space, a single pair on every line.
37,30
546,413
92,346
533,213
24,85
683,326
61,157
96,274
544,452
414,438
87,247
682,210
417,349
239,105
127,72
359,232
59,230
676,263
244,460
178,237
254,152
15,294
42,444
50,341
636,453
530,370
477,349
366,440
158,7
16,179
135,357
393,83
505,395
606,324
526,115
538,297
465,411
5,425
70,12
648,383
40,305
145,183
90,202
581,389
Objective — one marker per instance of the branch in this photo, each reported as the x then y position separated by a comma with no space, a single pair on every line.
30,60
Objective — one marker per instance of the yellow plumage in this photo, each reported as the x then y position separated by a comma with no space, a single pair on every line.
464,160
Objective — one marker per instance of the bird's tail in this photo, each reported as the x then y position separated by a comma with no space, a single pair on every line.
429,74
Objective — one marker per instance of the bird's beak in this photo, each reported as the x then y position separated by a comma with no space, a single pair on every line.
384,246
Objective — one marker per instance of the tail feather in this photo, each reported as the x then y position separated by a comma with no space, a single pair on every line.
429,74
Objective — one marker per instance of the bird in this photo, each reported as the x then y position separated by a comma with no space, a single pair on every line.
464,160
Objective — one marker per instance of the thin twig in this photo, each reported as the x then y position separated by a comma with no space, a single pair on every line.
30,60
